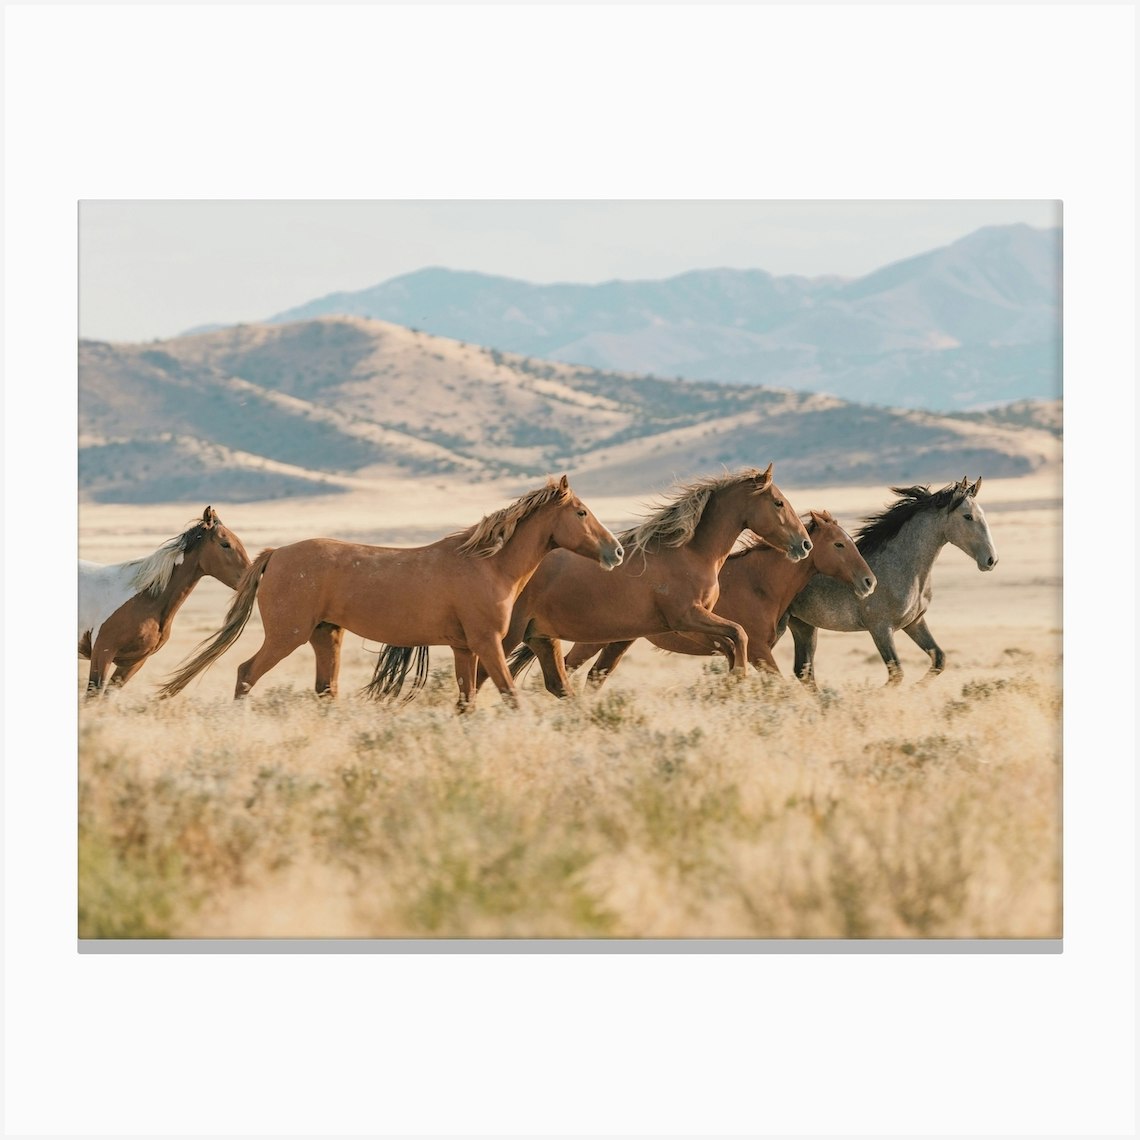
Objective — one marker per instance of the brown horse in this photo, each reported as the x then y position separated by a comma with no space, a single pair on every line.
126,611
757,585
669,580
457,592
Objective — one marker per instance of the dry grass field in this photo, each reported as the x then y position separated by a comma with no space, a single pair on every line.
675,803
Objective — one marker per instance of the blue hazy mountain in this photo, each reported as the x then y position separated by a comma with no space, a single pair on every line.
969,325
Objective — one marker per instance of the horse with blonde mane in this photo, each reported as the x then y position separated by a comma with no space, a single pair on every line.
126,611
668,582
456,592
757,584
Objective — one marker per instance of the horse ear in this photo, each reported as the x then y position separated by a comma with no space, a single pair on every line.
976,488
564,484
818,518
209,516
765,476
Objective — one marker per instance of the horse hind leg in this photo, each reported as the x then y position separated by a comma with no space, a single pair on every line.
920,634
326,641
467,671
272,651
606,663
549,654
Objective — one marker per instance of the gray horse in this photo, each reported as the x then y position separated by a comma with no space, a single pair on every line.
900,545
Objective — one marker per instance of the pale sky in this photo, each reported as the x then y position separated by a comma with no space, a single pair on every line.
152,269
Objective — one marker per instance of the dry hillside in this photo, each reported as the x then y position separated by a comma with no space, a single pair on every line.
258,412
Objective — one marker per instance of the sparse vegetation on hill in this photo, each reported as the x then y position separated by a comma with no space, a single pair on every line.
335,402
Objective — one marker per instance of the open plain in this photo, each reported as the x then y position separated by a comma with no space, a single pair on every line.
676,802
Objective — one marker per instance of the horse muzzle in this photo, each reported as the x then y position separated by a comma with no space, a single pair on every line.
612,558
864,588
799,549
987,562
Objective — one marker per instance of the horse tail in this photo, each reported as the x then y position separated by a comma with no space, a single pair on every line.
211,649
520,660
392,670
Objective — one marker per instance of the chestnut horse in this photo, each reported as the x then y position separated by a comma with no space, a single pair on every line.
669,581
126,611
900,545
457,592
757,585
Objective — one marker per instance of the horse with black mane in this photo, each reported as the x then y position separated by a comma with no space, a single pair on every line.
900,545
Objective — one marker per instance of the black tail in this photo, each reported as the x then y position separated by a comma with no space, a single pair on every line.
392,670
520,660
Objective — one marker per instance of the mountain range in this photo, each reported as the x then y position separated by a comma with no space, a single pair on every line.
963,327
262,411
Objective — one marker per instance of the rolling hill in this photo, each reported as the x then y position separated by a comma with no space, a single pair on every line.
270,410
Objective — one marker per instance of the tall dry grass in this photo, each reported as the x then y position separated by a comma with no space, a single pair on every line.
681,803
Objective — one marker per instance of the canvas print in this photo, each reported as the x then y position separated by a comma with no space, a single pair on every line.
582,571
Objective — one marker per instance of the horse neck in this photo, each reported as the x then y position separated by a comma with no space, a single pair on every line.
917,544
532,540
184,577
720,525
775,577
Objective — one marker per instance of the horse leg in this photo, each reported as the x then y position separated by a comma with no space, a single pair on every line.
805,637
580,653
549,654
102,656
122,675
761,659
918,632
271,652
466,670
883,637
606,663
489,650
326,641
727,636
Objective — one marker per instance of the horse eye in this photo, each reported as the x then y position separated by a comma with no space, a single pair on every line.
222,543
778,502
582,513
839,546
968,518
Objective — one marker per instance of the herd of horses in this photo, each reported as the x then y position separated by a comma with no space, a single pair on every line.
723,567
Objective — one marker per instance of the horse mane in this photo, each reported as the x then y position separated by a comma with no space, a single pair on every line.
675,523
493,532
152,573
879,529
751,542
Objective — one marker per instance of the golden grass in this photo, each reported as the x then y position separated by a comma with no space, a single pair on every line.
727,809
675,803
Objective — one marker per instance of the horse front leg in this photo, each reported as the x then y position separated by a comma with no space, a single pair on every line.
918,632
884,639
726,636
122,675
489,651
805,638
102,657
